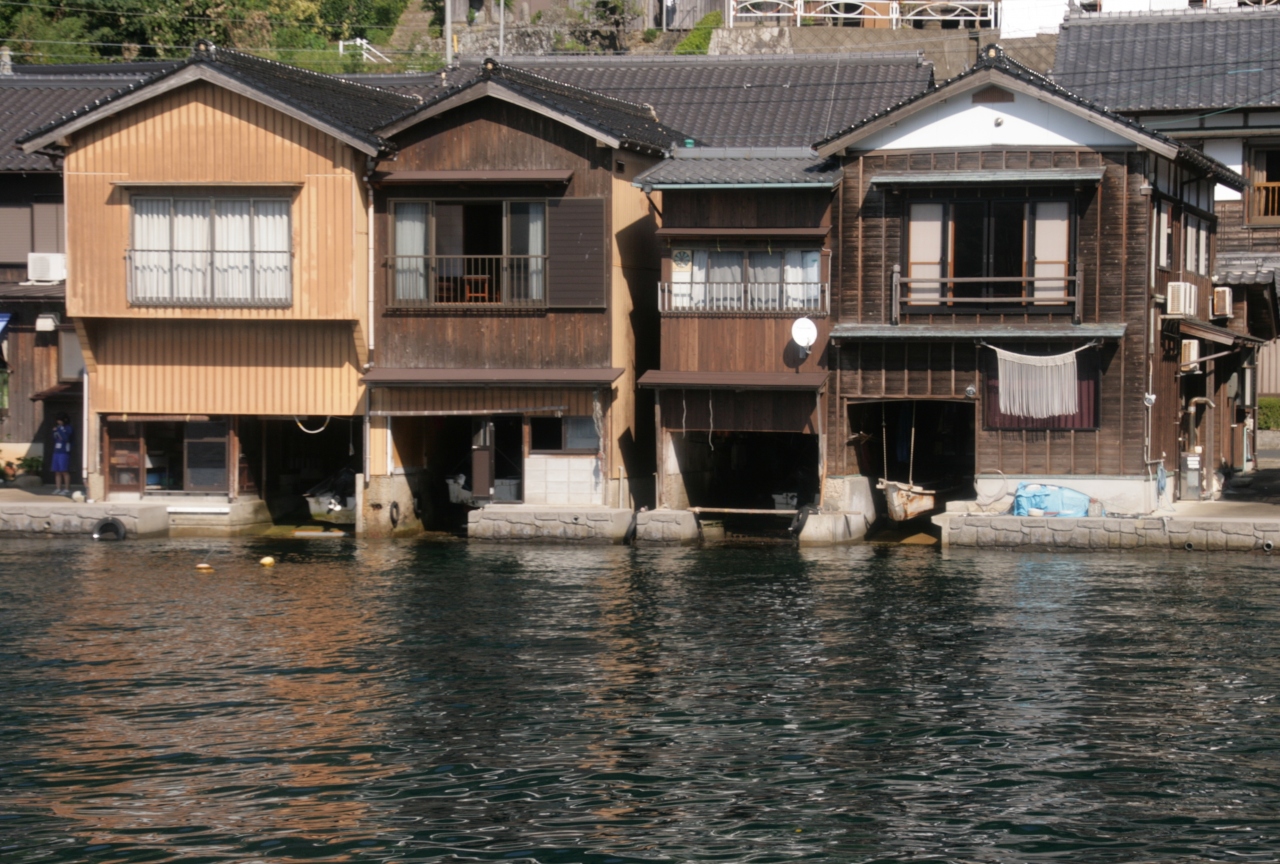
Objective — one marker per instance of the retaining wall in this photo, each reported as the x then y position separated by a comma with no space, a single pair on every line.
65,518
1025,532
525,522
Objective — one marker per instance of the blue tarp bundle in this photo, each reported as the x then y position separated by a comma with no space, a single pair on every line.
1049,500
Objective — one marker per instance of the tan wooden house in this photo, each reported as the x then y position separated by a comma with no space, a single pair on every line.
217,268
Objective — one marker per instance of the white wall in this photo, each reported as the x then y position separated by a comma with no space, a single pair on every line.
1021,18
574,480
1230,152
1025,122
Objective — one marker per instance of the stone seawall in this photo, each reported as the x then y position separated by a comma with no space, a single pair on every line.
527,522
65,518
1152,532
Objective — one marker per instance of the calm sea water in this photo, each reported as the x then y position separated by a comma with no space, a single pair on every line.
420,702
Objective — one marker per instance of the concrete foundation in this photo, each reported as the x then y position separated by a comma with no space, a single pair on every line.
1169,532
526,522
61,517
1119,494
833,529
217,518
667,527
385,508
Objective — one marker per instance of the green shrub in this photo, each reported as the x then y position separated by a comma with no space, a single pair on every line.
1269,412
699,39
31,464
651,34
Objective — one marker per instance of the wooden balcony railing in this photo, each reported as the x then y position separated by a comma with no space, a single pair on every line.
1265,202
743,298
989,295
467,282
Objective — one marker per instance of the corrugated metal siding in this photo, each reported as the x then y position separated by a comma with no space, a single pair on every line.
207,367
407,400
204,134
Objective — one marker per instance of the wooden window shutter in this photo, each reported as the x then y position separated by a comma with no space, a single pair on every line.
15,234
47,223
576,245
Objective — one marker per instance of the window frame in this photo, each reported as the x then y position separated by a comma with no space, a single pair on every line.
946,256
431,252
64,334
815,305
564,434
1254,154
210,298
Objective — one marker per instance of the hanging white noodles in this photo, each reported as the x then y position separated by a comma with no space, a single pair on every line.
1038,386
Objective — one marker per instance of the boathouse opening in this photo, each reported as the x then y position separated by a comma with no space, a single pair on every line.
940,455
737,470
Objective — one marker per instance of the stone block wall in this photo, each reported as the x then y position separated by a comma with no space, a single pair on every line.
1015,532
524,522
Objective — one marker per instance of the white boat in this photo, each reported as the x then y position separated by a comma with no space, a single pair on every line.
906,500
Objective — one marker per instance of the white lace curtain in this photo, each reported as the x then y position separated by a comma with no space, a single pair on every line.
1038,386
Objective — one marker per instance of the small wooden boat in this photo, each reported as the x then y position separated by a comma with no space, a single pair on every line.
906,500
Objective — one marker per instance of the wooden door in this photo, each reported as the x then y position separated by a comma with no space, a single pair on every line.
205,457
482,458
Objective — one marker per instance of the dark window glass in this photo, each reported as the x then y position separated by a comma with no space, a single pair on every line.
546,433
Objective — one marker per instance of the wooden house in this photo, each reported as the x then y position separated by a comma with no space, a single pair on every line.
41,365
1221,100
217,269
515,261
1024,295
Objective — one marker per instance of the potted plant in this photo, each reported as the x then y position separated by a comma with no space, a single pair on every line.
29,468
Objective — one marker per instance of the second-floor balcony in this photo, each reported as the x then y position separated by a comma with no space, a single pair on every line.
1265,202
467,282
987,295
744,298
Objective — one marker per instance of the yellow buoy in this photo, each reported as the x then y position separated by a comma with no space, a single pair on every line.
203,566
268,561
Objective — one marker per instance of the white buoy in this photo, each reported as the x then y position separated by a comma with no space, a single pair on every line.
268,561
204,568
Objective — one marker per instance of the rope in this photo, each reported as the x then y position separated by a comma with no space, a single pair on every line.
313,431
884,441
711,409
911,459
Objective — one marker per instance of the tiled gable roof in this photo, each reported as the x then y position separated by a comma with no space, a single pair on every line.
1208,59
28,102
353,108
993,58
633,124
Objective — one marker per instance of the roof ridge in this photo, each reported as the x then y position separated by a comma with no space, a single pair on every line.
215,54
860,57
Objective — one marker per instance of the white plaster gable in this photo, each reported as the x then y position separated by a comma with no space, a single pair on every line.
1024,122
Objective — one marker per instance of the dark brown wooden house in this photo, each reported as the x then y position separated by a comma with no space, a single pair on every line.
516,271
1044,227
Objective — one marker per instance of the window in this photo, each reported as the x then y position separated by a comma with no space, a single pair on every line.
1264,188
211,252
70,356
449,253
1196,246
34,227
1164,234
563,434
974,254
746,280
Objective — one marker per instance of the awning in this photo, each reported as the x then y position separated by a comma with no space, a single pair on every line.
819,231
995,176
1246,270
491,377
58,391
557,176
157,418
1213,333
961,332
676,380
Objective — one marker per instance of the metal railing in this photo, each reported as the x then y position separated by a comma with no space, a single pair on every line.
453,281
876,13
1266,202
201,277
700,298
935,295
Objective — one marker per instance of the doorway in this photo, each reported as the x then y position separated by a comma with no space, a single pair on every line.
942,455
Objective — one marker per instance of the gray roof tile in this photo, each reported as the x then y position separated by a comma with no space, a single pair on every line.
1207,59
743,166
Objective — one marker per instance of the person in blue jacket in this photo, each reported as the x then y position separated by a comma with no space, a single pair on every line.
63,436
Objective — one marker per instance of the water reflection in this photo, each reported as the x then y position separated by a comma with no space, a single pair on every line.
419,702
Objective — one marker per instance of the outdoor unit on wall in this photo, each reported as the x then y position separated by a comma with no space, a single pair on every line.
1180,299
1222,303
1190,351
46,266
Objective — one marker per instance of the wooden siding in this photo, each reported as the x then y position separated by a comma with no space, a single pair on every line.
202,134
754,411
490,134
206,367
576,245
739,344
1235,236
746,208
1112,247
577,401
33,367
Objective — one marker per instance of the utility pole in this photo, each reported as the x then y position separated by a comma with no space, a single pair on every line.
502,27
448,34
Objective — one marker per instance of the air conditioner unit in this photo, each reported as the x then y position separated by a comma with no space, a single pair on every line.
46,266
1180,299
1222,303
1190,351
